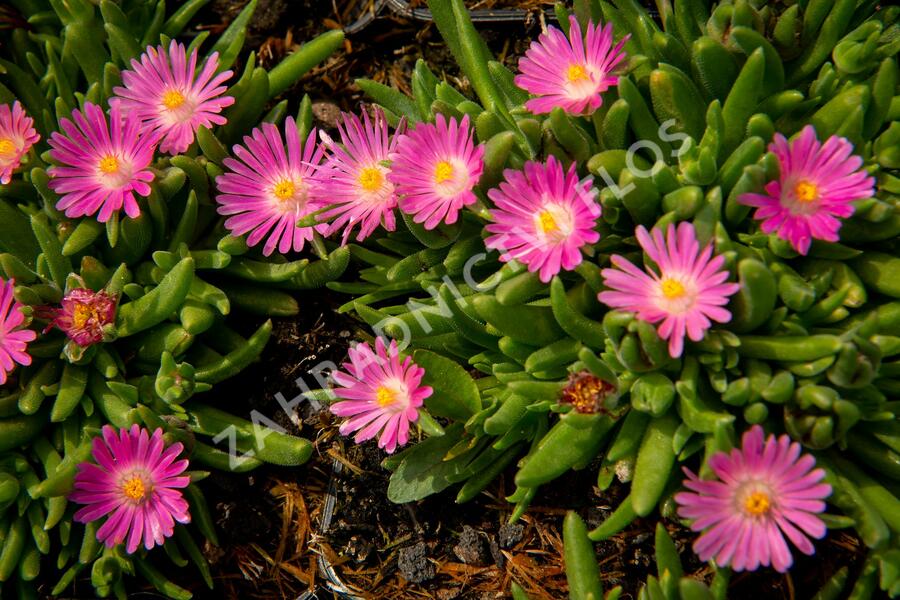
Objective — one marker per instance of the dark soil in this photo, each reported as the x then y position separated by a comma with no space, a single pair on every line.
385,49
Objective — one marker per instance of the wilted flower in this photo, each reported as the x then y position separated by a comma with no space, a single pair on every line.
136,483
268,189
102,166
571,73
380,394
13,339
354,180
17,136
166,93
588,394
817,186
83,315
544,216
764,491
688,292
435,168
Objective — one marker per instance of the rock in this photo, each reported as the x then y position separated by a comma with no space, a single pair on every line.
497,555
470,549
414,564
510,534
326,113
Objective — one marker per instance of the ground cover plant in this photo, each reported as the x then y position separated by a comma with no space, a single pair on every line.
119,279
667,316
662,250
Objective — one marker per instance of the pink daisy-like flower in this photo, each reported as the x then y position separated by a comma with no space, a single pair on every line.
168,95
571,73
102,165
13,339
380,394
688,292
817,186
764,491
84,314
17,136
354,180
136,483
269,189
435,168
544,216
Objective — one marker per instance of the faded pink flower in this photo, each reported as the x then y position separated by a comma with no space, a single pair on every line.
570,73
764,491
268,189
83,315
17,136
817,187
544,216
380,395
687,293
166,93
136,483
101,165
435,168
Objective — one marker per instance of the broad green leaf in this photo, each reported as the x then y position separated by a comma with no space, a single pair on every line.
424,471
455,393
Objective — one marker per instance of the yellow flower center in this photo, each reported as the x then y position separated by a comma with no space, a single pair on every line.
805,191
82,314
757,504
134,489
576,73
284,190
371,179
109,164
172,99
7,147
546,222
672,288
385,396
443,171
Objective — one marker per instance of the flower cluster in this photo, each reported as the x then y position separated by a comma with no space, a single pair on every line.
101,163
548,285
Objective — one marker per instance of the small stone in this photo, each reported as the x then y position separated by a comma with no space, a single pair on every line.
497,555
326,112
470,549
414,564
511,534
640,538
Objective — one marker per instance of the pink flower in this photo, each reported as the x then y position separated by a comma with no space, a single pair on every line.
818,184
136,483
269,189
166,93
434,170
570,73
689,290
13,339
354,180
380,394
101,165
764,491
17,136
84,314
544,216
